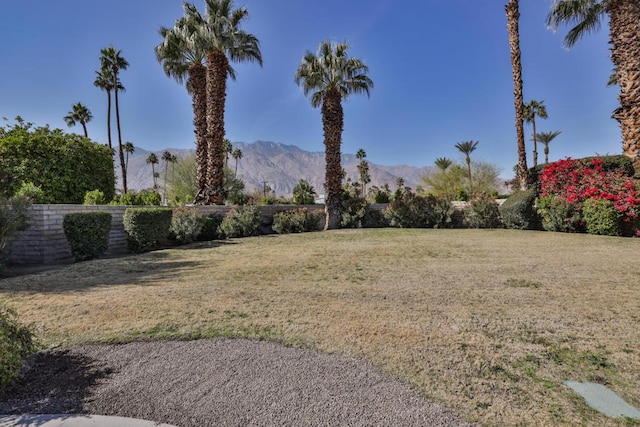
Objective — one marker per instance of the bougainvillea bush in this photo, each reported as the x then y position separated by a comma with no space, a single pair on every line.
569,183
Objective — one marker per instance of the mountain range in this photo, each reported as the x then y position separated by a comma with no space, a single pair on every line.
278,165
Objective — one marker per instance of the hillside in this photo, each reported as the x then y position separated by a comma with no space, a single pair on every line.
280,166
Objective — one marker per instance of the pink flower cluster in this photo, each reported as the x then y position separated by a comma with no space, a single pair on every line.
578,180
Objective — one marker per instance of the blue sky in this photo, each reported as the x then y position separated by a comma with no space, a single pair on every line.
441,69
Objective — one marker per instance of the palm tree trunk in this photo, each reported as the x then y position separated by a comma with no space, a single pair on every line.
332,125
235,172
123,166
535,143
624,23
109,120
84,127
546,153
217,66
198,86
513,16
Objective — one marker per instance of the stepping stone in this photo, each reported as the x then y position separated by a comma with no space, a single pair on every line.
603,400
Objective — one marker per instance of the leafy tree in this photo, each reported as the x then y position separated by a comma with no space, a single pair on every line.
112,60
304,193
452,183
624,37
64,166
331,76
533,109
181,55
152,160
219,33
545,138
79,114
363,170
467,148
513,16
237,155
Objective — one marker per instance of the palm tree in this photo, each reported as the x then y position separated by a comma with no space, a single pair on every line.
167,158
219,33
363,170
227,149
181,56
534,109
104,81
79,114
467,148
545,138
128,149
111,59
624,38
331,76
513,17
152,159
443,163
237,155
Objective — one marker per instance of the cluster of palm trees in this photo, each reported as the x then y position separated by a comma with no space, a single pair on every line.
585,16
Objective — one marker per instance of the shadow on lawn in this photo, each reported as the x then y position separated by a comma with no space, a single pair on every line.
140,269
56,382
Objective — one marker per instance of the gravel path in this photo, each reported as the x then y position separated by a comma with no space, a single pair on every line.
219,382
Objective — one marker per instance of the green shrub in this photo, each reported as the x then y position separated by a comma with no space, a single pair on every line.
482,212
602,217
408,210
87,233
94,197
355,212
557,214
186,224
242,221
14,217
31,191
519,212
210,227
146,197
296,221
16,343
440,212
147,228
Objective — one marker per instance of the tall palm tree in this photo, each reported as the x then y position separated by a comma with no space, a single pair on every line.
227,149
443,163
545,138
181,56
128,148
219,32
111,59
513,17
237,155
167,158
467,148
533,109
104,81
79,114
624,38
152,160
363,170
329,77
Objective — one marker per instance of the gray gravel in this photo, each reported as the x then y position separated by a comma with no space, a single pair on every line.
219,382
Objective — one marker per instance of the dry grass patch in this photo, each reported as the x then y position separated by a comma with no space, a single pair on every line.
487,322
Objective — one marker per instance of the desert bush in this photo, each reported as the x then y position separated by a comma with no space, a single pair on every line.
355,212
519,212
379,195
296,221
602,217
210,227
482,212
242,221
409,210
558,214
145,197
147,228
14,217
94,197
16,343
186,224
31,191
87,233
440,212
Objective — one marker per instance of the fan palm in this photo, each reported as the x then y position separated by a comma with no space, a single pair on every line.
329,77
219,33
128,148
513,17
79,114
237,155
534,109
363,170
152,159
182,57
624,38
467,148
545,138
104,80
111,59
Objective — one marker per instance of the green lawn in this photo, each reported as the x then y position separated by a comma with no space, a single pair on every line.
488,322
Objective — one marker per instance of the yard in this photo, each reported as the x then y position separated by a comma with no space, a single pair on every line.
490,323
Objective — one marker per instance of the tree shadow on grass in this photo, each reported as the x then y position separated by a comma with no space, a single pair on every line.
147,269
55,382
